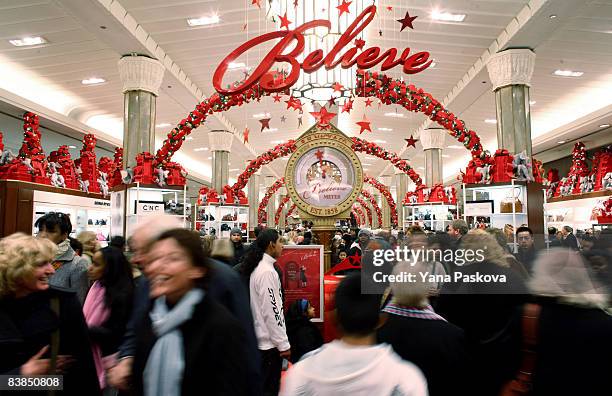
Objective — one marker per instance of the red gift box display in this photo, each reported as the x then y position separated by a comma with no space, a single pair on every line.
143,171
228,194
176,174
88,166
207,195
66,167
502,169
437,194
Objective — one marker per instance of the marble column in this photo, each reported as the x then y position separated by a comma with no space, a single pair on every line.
401,186
271,208
282,195
253,190
432,140
220,144
510,72
141,78
386,210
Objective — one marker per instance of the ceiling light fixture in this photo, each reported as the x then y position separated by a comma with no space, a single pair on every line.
207,20
455,147
604,125
234,170
209,158
380,141
93,81
447,16
445,156
567,73
162,125
433,64
23,42
72,147
552,16
200,149
561,142
235,65
532,102
394,114
383,129
491,121
261,115
277,141
189,138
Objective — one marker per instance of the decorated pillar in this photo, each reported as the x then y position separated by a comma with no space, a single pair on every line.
281,221
510,72
253,190
401,186
432,140
141,77
386,210
271,208
220,142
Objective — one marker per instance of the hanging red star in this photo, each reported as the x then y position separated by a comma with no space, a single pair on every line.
337,87
411,141
244,27
347,106
265,124
299,121
258,2
407,21
323,117
294,103
285,22
364,125
389,8
331,101
359,43
283,119
368,102
295,3
344,7
276,98
380,33
245,134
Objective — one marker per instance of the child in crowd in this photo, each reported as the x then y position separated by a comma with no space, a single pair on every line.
304,336
354,365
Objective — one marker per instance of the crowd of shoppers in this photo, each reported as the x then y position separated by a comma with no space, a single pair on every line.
179,318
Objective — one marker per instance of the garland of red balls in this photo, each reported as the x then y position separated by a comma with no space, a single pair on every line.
280,150
369,196
367,209
391,91
387,194
362,218
261,212
373,149
290,212
279,211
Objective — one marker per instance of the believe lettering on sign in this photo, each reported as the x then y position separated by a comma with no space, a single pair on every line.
275,82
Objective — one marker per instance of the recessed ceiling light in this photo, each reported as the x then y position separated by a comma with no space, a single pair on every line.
72,147
445,156
380,141
383,129
261,115
207,20
23,42
567,73
455,146
234,170
532,102
366,164
552,16
421,168
277,141
447,16
93,81
209,158
271,130
200,149
561,142
604,125
235,65
491,121
433,64
394,114
162,125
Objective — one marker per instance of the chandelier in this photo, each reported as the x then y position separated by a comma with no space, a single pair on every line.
318,86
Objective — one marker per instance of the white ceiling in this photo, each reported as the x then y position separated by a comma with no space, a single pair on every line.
87,37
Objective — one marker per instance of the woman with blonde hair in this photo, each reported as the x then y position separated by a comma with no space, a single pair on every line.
43,331
485,299
90,245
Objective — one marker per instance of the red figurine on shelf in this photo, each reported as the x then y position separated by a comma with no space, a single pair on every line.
115,176
87,164
67,167
502,169
229,195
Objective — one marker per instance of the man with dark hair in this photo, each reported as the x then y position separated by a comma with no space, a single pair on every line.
553,241
527,252
457,229
70,269
569,239
239,248
354,364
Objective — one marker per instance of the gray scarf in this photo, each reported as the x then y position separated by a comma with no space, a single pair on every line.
163,373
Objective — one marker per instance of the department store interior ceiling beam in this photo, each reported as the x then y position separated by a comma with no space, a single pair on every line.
529,28
124,35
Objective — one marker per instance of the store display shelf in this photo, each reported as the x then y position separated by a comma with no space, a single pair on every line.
148,187
495,186
147,215
429,204
594,194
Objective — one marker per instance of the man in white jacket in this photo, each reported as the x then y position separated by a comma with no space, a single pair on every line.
354,365
267,308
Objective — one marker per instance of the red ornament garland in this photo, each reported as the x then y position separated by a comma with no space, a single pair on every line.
362,218
372,200
261,212
390,91
280,150
365,206
387,194
279,211
290,212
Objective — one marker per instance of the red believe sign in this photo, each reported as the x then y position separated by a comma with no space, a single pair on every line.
302,269
275,82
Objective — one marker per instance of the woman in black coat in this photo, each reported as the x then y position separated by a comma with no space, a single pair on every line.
31,311
194,345
304,336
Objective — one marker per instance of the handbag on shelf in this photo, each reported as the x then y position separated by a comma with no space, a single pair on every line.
506,204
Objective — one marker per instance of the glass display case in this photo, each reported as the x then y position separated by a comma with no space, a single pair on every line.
220,219
434,216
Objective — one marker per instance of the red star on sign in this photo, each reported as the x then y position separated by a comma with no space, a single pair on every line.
347,106
337,87
368,102
285,22
344,7
359,43
277,98
406,21
265,123
411,141
322,116
294,103
246,135
364,125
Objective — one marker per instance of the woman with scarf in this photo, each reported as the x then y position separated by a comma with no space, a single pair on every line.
108,306
421,336
189,344
42,329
